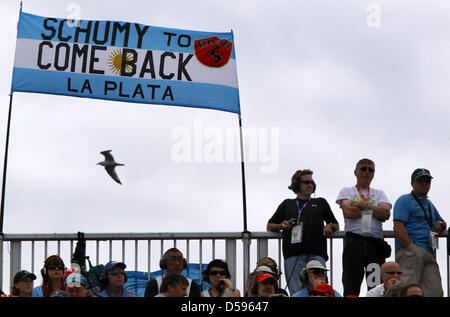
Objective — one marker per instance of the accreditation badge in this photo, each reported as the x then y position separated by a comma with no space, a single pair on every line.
297,233
366,220
434,240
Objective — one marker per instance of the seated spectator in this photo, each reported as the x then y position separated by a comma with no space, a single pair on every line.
114,277
23,284
75,285
390,275
312,275
322,290
264,285
173,262
411,290
52,277
218,275
173,285
272,265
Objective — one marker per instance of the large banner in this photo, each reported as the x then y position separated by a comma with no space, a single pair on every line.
126,61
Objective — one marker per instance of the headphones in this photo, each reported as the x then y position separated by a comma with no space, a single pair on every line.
304,277
254,287
295,185
104,280
216,263
277,272
50,259
163,261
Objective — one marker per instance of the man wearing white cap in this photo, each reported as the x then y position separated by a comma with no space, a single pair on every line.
417,224
312,275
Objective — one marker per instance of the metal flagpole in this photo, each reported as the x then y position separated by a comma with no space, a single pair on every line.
244,198
5,160
5,164
246,237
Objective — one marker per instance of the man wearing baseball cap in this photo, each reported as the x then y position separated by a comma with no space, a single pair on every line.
115,278
313,275
266,284
417,224
23,284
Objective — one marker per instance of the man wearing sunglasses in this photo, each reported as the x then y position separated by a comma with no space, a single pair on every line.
313,275
365,209
417,224
115,281
390,275
305,223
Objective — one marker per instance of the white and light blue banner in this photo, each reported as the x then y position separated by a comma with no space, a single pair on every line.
126,61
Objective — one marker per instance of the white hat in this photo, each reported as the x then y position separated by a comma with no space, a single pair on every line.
314,264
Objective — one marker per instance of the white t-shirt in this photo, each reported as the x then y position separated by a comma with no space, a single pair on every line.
355,225
377,291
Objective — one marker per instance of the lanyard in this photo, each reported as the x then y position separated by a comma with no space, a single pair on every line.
430,219
300,210
362,196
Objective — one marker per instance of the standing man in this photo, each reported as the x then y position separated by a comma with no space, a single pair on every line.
301,221
365,209
417,224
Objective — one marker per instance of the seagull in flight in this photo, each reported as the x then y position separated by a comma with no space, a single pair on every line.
110,165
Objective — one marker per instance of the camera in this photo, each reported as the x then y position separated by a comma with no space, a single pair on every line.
292,221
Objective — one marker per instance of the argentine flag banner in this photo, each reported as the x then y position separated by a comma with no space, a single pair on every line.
126,61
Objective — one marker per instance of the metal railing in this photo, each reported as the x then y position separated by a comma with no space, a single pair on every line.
142,251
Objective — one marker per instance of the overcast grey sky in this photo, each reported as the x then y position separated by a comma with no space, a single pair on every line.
326,82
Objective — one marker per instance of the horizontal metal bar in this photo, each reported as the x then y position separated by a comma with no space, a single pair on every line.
164,236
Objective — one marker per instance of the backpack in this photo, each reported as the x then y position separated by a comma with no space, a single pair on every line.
95,277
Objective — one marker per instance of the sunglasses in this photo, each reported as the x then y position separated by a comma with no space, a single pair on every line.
117,273
214,273
424,181
365,169
308,182
392,273
54,267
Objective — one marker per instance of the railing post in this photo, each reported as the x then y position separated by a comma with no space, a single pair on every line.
246,240
230,255
16,255
262,248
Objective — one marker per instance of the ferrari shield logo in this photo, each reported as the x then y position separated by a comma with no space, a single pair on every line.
212,51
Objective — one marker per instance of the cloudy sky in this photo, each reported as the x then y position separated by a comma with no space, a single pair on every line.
322,84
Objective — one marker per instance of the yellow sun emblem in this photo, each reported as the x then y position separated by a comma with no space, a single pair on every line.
115,61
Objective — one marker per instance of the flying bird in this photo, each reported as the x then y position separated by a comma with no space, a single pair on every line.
110,165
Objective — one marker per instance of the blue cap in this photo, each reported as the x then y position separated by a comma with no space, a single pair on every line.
419,172
111,264
75,279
